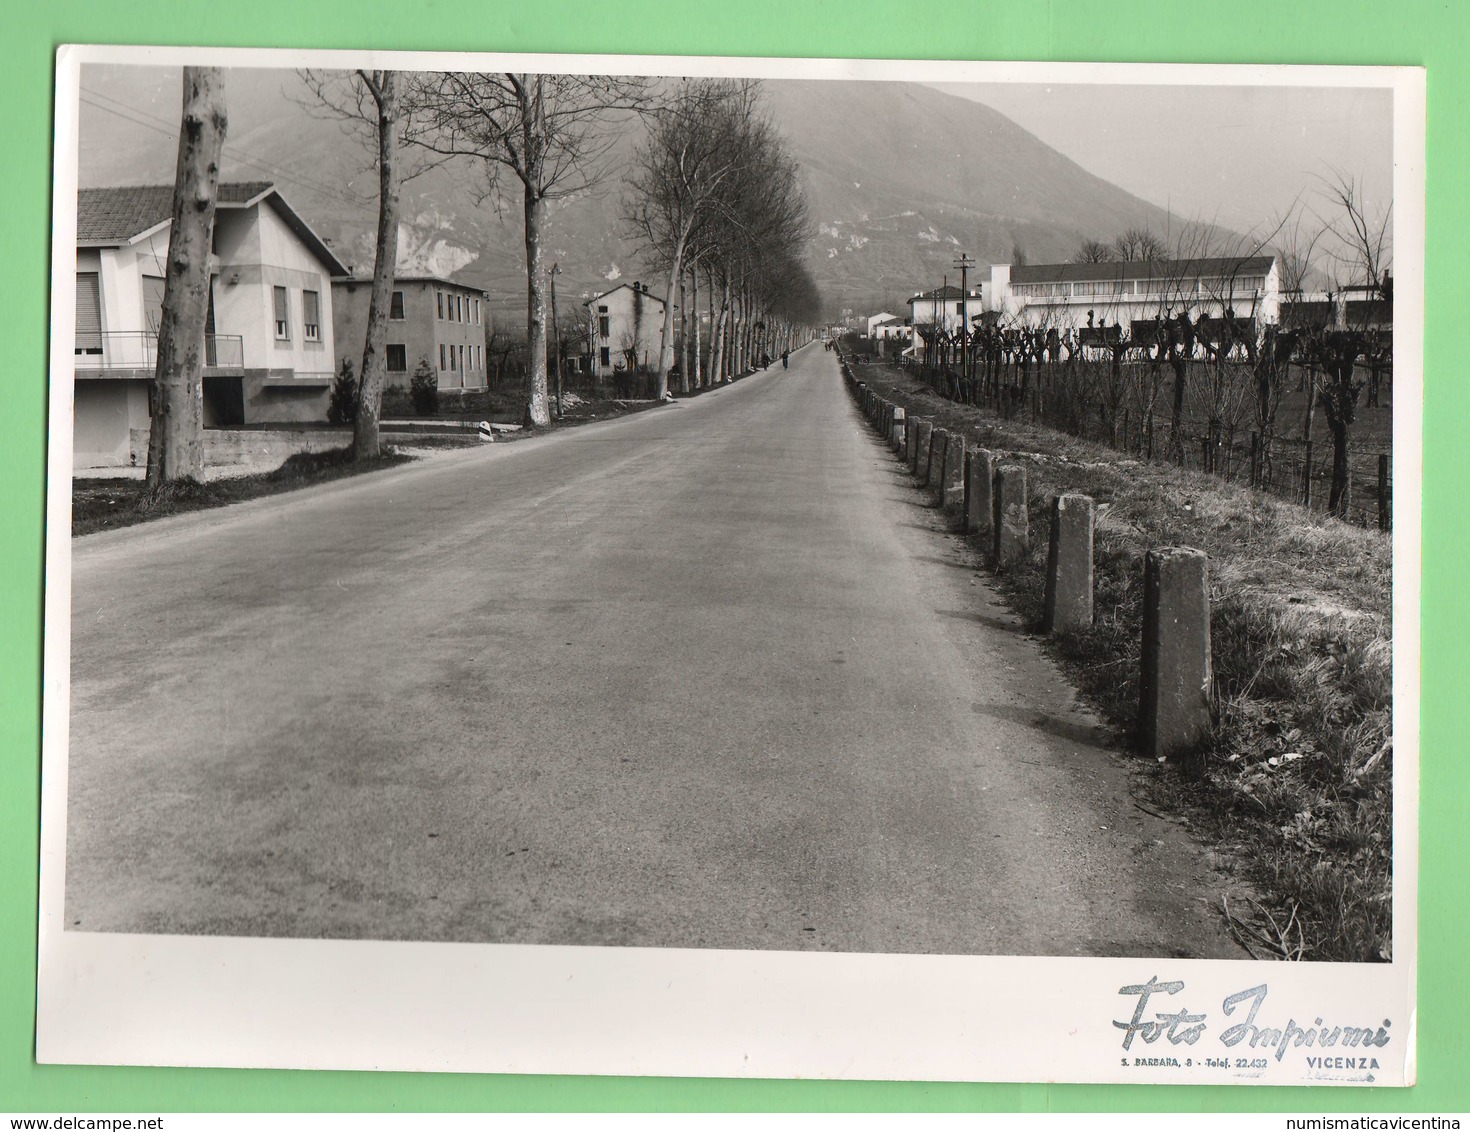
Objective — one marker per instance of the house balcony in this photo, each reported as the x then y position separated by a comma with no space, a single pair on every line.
134,354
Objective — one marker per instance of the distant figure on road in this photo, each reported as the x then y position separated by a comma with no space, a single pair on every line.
765,361
785,355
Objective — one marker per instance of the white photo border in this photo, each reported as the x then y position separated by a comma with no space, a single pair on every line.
106,998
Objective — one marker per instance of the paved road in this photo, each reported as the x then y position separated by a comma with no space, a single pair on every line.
708,676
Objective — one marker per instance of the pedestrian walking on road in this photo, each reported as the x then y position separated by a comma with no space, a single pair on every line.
785,355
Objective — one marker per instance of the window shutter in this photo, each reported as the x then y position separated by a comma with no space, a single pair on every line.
89,314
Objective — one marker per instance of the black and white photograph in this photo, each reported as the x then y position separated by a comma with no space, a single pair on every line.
694,566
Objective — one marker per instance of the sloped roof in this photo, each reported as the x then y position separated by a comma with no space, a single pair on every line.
646,294
115,216
412,277
941,293
1213,266
110,217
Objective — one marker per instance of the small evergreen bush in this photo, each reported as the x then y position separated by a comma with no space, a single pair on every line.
423,389
342,409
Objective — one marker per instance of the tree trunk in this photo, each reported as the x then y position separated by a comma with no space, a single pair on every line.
717,337
695,361
538,411
175,438
365,443
1341,493
556,340
1180,365
666,335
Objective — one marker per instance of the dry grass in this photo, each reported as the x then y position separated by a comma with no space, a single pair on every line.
102,504
1298,773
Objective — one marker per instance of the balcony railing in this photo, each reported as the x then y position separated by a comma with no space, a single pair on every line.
138,350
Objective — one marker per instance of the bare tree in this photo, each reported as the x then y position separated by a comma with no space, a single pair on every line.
1362,256
1093,251
372,99
1135,244
696,144
552,134
175,442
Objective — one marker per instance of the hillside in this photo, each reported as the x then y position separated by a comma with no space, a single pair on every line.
900,179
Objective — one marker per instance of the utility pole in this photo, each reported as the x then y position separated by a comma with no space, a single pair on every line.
964,263
556,333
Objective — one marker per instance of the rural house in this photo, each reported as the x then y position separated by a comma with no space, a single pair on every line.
268,329
625,329
945,306
429,318
891,329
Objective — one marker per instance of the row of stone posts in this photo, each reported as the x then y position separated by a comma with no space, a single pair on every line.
991,495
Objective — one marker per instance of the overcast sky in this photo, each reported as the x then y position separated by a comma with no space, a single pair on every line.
1237,156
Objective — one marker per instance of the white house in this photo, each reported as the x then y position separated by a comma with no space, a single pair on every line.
268,327
1079,295
892,329
876,320
625,329
946,306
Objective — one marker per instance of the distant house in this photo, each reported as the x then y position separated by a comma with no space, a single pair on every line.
268,328
1363,307
892,329
625,329
947,308
876,320
428,318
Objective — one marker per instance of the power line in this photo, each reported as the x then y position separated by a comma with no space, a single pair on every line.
160,126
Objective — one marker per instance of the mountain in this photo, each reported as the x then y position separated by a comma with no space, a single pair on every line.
900,178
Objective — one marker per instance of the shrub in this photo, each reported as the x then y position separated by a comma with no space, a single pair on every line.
423,389
342,409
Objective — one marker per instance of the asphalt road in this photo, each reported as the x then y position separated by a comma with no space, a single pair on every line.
709,676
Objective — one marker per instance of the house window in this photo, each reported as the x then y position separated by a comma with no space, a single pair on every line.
439,302
477,312
606,357
397,355
283,321
442,366
395,306
959,308
153,289
604,326
311,316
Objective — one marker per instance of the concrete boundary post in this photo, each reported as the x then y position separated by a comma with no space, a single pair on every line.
937,442
1175,677
979,491
920,447
952,479
896,434
1069,565
1011,529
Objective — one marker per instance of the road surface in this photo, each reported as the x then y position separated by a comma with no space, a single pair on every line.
709,676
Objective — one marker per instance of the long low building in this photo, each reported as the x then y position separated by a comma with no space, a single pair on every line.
1078,295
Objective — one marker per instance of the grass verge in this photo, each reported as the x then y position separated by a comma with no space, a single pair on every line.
1298,771
103,504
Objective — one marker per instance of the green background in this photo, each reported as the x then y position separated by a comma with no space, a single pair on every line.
1415,32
